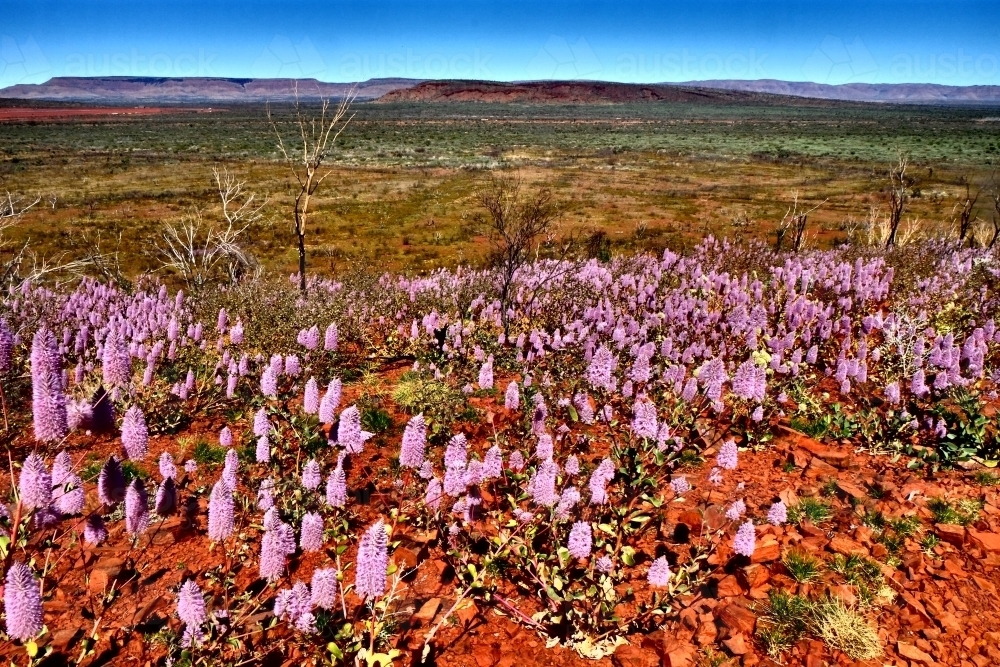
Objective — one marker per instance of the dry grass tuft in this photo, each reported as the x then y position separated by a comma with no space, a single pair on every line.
843,628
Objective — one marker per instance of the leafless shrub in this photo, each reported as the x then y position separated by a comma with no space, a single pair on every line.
518,225
964,208
202,252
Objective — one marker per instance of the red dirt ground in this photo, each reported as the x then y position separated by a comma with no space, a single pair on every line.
946,610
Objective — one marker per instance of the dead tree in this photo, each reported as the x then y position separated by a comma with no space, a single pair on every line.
996,219
794,222
965,209
316,136
516,220
898,196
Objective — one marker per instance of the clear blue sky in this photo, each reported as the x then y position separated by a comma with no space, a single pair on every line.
830,42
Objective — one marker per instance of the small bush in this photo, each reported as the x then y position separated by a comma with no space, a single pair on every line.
810,508
208,454
962,513
802,567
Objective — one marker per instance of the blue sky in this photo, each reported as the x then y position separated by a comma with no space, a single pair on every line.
829,42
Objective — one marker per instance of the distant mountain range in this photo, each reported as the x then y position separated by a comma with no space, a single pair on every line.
918,93
199,90
124,90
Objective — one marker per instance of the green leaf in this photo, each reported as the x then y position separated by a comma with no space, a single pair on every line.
628,556
572,413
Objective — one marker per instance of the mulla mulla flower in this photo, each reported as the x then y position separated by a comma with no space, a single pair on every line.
220,511
372,563
22,600
48,396
411,453
745,541
136,512
35,483
580,540
135,434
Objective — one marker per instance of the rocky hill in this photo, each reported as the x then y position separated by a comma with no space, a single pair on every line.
559,92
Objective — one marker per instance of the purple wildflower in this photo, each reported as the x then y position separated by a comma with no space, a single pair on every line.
584,410
486,374
917,384
6,348
727,457
226,437
580,540
220,512
263,451
324,588
680,485
492,463
604,565
659,573
372,563
310,403
330,338
892,393
644,423
600,372
136,512
736,510
336,487
48,397
265,495
261,425
311,538
94,531
167,467
135,435
230,468
411,453
516,461
278,542
542,485
567,501
543,450
191,604
432,498
311,476
746,540
111,483
572,466
22,600
715,476
269,382
35,483
116,362
603,473
349,433
330,402
512,397
778,514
